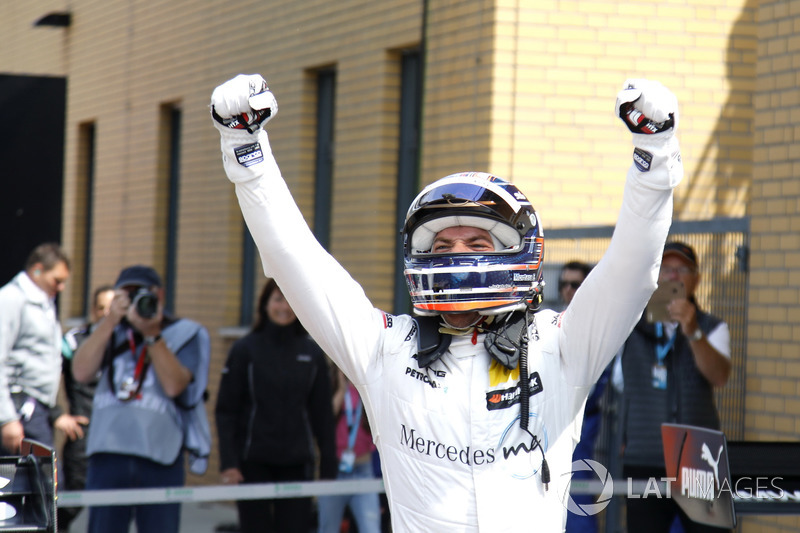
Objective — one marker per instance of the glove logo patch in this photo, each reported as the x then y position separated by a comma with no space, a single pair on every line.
642,159
249,154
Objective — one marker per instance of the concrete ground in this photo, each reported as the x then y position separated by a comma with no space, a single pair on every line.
201,517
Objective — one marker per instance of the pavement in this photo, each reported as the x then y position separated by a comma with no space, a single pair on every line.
202,517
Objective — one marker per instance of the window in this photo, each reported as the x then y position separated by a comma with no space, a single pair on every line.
323,168
85,207
171,118
407,161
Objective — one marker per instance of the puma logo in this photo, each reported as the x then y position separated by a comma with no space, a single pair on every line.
706,456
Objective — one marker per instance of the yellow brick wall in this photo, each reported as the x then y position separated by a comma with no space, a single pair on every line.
523,89
557,68
772,391
457,106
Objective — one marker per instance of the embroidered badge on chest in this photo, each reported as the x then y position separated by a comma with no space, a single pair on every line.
510,396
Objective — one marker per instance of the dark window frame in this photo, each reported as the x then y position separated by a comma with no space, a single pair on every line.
408,161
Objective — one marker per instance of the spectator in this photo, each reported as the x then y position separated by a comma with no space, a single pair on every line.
273,407
154,371
79,397
354,448
30,350
570,279
669,371
470,402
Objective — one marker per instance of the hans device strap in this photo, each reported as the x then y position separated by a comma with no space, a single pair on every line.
430,343
503,340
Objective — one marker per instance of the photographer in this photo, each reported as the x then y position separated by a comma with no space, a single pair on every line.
154,371
670,367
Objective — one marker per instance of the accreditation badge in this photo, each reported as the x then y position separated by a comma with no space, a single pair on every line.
659,377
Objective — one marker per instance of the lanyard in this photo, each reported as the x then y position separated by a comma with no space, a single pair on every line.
140,365
353,417
663,349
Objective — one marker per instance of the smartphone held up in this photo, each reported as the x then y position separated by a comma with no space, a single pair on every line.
656,310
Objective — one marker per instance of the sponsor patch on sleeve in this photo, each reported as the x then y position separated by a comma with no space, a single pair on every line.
642,159
387,320
249,154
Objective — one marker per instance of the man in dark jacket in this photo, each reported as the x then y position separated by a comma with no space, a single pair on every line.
669,371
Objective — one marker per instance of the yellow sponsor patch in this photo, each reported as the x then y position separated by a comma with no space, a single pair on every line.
499,374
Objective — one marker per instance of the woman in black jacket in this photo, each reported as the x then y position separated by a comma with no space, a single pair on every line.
273,413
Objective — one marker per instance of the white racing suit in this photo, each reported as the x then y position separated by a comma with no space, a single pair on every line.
454,457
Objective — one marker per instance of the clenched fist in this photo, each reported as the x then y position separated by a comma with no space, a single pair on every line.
647,107
243,103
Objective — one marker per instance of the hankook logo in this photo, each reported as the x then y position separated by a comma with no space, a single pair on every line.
505,398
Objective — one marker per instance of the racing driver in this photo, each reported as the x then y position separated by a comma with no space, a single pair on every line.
476,403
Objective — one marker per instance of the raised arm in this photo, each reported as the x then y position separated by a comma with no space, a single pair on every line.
610,301
329,303
89,356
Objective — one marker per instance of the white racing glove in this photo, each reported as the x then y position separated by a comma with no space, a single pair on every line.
243,103
650,111
647,107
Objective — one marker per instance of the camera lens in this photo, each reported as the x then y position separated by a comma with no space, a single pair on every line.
146,304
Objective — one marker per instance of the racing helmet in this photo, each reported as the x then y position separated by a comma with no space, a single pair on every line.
506,279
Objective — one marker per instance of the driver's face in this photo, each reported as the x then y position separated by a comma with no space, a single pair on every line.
462,239
459,240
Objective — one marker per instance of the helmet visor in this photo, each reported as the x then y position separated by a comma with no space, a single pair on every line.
459,195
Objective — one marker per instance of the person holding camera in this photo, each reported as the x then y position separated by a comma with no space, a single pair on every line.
154,375
273,409
669,368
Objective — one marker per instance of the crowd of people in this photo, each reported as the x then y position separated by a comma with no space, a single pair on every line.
134,379
482,389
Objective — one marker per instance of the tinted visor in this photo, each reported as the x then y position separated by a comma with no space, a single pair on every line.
459,195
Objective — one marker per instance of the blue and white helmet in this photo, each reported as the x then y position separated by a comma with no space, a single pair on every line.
507,279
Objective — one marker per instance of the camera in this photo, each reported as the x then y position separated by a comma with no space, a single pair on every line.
144,301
